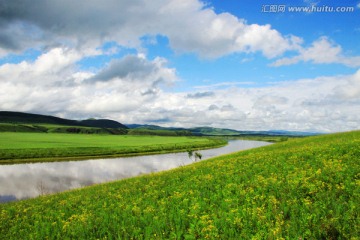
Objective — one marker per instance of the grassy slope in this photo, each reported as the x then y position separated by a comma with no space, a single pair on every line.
30,118
20,147
55,128
300,189
158,132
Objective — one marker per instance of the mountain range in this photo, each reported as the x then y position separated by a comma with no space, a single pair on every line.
21,118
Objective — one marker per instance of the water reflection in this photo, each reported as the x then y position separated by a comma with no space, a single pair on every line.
22,181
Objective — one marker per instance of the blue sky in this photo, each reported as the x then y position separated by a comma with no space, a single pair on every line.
186,63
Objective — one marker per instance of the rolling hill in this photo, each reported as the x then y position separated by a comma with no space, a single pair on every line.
211,131
29,122
30,118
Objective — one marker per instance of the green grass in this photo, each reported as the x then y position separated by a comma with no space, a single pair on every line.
10,127
31,147
301,189
158,132
55,128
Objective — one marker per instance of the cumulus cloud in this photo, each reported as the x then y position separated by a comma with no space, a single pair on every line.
323,104
322,51
270,100
52,83
136,68
87,24
131,94
349,90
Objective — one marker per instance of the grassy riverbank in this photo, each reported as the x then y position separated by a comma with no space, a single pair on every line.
45,147
300,189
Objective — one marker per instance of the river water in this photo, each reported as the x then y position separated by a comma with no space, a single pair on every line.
21,181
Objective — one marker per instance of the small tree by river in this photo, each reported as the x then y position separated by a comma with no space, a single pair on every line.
197,156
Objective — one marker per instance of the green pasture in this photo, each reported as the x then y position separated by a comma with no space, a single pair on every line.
20,147
300,189
54,128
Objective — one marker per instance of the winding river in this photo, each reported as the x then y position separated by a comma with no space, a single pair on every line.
21,181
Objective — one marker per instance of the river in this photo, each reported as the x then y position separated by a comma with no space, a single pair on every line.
21,181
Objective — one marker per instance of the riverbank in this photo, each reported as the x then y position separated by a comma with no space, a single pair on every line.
22,181
54,147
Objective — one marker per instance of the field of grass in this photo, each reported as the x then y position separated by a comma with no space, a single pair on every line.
55,128
305,188
31,147
159,132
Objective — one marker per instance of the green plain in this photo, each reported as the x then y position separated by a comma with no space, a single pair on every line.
305,188
31,147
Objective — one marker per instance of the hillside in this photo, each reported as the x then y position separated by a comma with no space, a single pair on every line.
306,188
102,123
30,118
211,131
28,122
159,132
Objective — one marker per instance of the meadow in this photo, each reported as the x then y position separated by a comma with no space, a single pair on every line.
305,188
31,147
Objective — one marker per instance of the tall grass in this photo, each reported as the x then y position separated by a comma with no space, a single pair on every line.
301,189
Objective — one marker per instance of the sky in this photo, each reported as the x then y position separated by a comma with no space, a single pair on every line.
239,64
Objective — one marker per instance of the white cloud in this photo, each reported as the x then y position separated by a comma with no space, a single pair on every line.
131,94
52,67
322,51
349,90
323,104
53,84
189,25
132,68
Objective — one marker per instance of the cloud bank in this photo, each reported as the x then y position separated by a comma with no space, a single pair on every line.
132,90
322,51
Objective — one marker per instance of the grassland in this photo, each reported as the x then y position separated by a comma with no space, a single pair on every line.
35,147
159,132
56,128
300,189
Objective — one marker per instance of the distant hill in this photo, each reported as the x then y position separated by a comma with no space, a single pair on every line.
30,118
19,121
210,131
231,132
154,127
214,131
158,132
102,123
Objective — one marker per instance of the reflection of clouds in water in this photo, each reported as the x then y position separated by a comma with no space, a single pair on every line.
30,180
